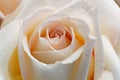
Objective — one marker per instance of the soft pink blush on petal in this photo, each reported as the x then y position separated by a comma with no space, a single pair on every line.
58,37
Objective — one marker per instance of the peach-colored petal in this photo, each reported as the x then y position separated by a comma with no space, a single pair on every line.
7,6
65,51
58,36
14,14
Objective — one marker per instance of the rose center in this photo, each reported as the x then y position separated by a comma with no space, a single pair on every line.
58,36
58,32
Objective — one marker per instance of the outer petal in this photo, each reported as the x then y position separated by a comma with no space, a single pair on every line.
26,8
112,62
106,75
58,3
109,19
83,67
8,42
13,15
98,49
77,10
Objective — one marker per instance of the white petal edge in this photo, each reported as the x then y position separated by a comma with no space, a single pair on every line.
106,75
82,72
112,62
98,49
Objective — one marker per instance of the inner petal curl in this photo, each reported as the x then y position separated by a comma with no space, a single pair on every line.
58,36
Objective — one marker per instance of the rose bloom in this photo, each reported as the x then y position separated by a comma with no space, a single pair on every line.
61,40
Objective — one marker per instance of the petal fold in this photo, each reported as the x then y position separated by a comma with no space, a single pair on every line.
8,42
112,62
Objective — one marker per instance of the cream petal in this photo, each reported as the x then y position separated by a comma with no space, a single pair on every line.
25,9
98,49
33,22
41,44
57,55
37,70
8,42
62,19
65,52
83,68
83,29
112,62
77,10
58,3
106,75
56,35
14,14
109,18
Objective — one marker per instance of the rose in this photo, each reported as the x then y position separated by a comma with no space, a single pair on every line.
71,36
68,10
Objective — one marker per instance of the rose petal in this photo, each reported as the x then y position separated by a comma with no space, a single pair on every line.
106,75
83,68
109,19
98,49
8,7
65,52
58,3
25,9
57,36
39,70
13,15
8,42
112,62
77,10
